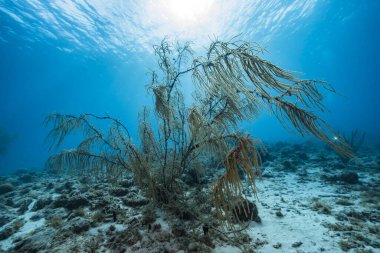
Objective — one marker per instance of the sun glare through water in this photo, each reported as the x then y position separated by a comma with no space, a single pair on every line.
121,26
187,12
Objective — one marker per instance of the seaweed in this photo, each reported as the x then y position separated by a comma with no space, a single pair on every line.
233,84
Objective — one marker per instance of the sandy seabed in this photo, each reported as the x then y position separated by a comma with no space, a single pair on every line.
309,200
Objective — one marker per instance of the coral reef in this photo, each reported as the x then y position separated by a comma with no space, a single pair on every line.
339,216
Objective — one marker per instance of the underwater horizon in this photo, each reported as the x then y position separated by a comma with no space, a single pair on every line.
90,57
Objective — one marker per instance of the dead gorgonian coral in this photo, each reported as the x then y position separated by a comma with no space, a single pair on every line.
233,85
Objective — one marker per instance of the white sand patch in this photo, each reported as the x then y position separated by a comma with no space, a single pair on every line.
54,196
104,227
291,196
286,193
226,249
28,227
162,221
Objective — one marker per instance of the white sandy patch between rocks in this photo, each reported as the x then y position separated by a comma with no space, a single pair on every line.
28,227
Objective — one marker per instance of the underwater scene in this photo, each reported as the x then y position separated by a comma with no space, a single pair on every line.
220,126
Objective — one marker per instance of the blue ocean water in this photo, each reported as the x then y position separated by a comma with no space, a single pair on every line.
95,56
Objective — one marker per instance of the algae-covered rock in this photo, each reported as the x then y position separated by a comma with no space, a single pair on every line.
121,240
11,229
54,221
119,191
35,242
179,230
70,203
349,178
41,203
245,210
77,225
76,202
134,200
4,219
5,188
198,247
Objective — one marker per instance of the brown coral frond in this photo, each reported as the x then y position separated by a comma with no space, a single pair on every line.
306,122
237,74
95,165
233,84
246,158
